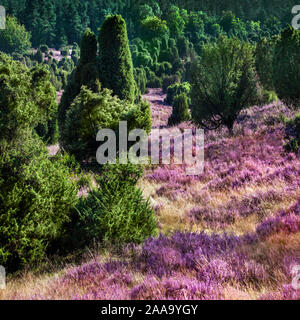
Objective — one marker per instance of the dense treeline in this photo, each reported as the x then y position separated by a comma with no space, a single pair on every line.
57,22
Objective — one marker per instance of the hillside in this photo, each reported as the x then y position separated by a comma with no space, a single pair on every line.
231,233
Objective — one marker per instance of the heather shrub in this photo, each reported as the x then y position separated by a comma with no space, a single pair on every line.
180,110
116,211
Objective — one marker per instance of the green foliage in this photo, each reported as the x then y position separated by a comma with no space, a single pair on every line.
140,79
223,83
169,81
27,97
64,52
292,145
286,66
154,81
38,57
33,211
175,22
293,134
153,27
115,212
91,112
180,110
116,68
88,50
14,38
44,48
264,62
266,97
176,89
85,180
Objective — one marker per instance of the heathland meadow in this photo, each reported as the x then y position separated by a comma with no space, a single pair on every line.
72,75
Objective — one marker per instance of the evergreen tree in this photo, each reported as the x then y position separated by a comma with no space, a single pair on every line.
14,38
286,66
223,83
88,50
116,69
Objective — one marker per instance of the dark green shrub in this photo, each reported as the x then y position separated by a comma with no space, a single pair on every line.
89,48
291,145
183,47
153,27
48,131
223,83
169,81
27,97
36,195
14,38
64,52
44,48
140,79
154,81
286,66
264,63
293,134
38,57
116,69
116,211
91,112
180,110
176,89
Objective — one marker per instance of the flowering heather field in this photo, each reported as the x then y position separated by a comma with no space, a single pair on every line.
231,233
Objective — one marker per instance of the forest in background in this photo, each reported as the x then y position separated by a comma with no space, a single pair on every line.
57,23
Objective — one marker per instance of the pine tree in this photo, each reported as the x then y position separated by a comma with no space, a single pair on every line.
116,70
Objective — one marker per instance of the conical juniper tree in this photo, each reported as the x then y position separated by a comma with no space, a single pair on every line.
116,69
85,73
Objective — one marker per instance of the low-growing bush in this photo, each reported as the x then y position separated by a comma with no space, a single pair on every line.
176,89
266,97
154,81
116,211
180,110
91,112
293,134
169,81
